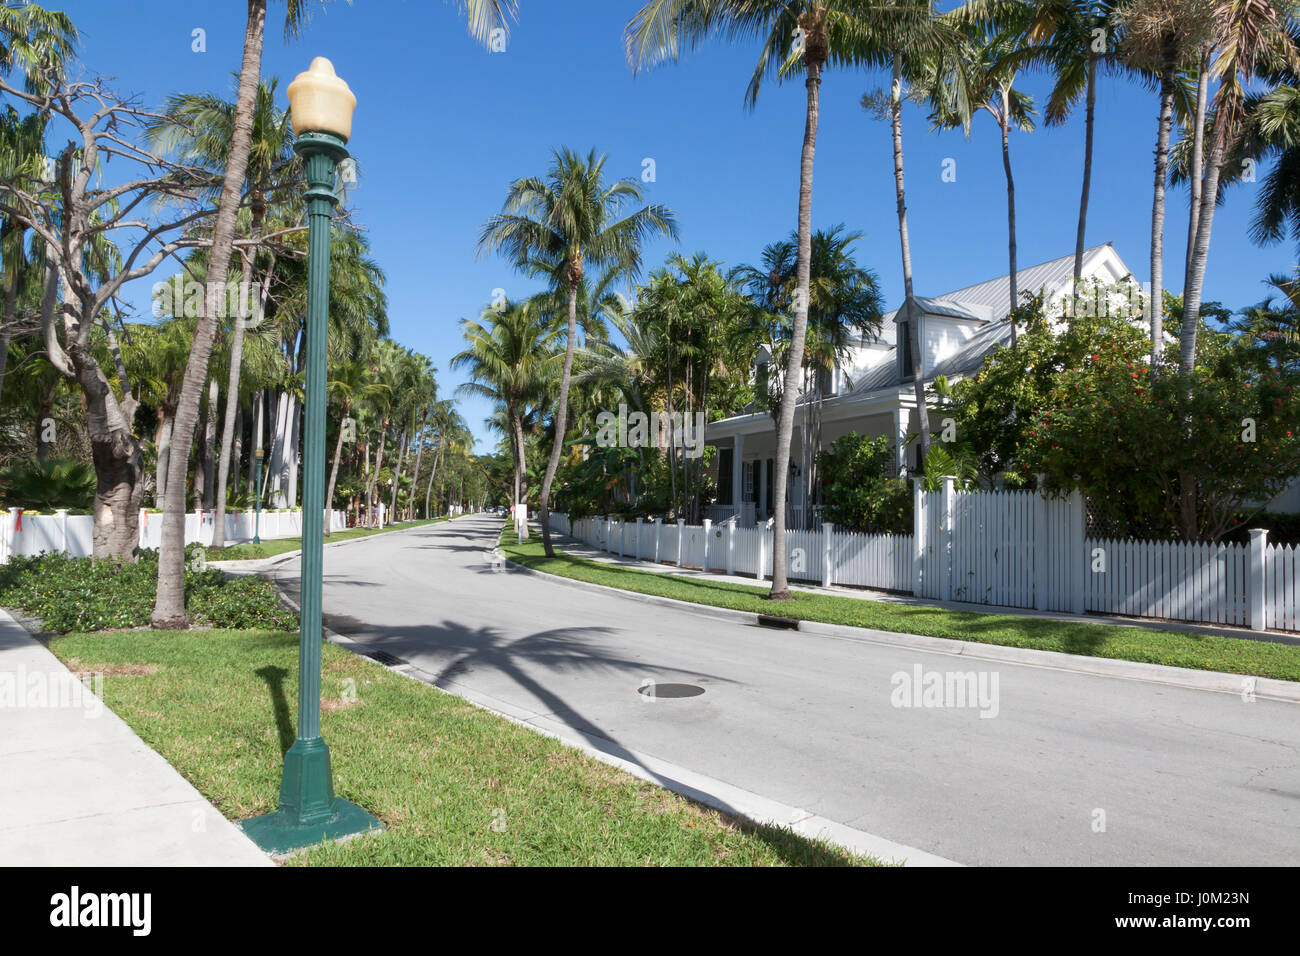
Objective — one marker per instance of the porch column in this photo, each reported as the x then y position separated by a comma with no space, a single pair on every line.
760,508
902,421
737,488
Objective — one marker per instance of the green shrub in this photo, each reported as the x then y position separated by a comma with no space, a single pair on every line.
85,594
48,485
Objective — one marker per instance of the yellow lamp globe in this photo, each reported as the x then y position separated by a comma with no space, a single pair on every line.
320,102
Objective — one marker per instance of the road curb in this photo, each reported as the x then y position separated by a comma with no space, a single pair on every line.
259,564
1244,685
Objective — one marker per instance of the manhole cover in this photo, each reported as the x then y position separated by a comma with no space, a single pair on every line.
651,689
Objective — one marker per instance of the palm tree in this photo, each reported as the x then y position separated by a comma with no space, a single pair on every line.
1161,37
1249,37
169,608
511,355
795,36
559,225
200,128
353,383
989,62
37,42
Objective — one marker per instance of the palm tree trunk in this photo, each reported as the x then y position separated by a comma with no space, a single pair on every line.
210,446
338,453
912,320
164,455
232,405
1198,161
1089,113
169,607
397,474
814,53
1005,123
1168,76
432,473
1201,251
419,454
561,418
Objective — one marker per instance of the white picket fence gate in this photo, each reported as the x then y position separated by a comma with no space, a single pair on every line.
62,533
1002,548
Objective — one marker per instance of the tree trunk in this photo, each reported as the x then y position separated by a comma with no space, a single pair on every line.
397,474
1201,251
1197,163
1089,112
232,406
169,608
814,52
561,412
1011,203
433,473
164,455
291,455
900,195
419,455
338,453
1168,76
210,446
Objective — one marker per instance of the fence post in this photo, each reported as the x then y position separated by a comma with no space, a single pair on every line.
681,533
828,554
918,536
1077,565
659,527
1257,577
946,542
1038,548
708,535
63,529
762,552
10,533
731,546
638,538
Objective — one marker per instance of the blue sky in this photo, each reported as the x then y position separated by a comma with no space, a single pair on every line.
442,127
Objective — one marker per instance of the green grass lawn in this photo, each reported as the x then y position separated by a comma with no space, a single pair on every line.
455,785
1202,652
270,548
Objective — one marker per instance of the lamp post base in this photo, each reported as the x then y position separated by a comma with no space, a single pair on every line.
309,812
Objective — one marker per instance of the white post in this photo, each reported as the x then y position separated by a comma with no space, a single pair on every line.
1078,566
762,552
918,537
1257,577
1038,548
681,533
737,458
609,535
945,573
708,534
659,527
828,554
731,544
63,528
638,538
13,530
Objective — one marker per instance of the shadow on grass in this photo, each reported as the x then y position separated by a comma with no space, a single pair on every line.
274,677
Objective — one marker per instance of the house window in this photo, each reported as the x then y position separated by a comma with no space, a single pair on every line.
905,350
725,458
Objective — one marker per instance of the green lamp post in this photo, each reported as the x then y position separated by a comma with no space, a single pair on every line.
257,483
320,105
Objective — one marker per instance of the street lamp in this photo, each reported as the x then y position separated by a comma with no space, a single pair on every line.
320,105
257,483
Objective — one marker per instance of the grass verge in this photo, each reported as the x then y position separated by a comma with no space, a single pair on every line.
455,785
1197,651
268,549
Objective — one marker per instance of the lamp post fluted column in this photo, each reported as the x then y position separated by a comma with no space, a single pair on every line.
309,812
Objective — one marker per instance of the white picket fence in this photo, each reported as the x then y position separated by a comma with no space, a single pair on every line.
27,534
1003,548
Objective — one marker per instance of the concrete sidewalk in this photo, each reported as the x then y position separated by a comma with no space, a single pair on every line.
79,788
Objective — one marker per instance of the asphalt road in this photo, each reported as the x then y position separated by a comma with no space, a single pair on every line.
1071,769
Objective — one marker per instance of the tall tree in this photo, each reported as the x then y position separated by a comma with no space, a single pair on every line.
795,36
559,225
